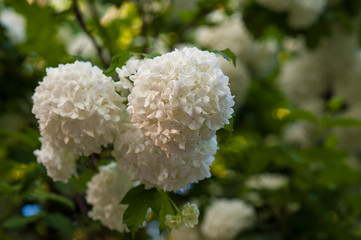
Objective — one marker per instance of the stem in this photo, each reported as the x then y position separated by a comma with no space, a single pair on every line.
81,22
101,29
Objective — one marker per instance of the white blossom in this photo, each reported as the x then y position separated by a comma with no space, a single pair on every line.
59,164
188,217
81,45
110,215
180,99
15,25
77,108
267,181
302,14
126,74
224,219
146,162
105,191
109,186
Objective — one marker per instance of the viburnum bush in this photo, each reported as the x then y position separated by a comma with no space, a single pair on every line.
180,119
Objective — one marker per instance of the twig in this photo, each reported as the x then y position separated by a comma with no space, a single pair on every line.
79,17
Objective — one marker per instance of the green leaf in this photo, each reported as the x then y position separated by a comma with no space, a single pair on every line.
20,221
117,61
302,115
43,196
229,126
227,54
340,122
61,223
140,200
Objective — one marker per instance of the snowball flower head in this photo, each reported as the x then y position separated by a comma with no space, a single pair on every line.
110,216
77,108
146,162
59,164
268,181
105,190
224,219
180,99
108,186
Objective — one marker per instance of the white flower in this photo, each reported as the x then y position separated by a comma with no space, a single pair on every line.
190,214
188,217
15,25
110,216
299,133
224,219
276,5
303,14
59,164
126,74
77,108
105,191
146,162
81,45
180,99
268,181
60,5
302,78
109,186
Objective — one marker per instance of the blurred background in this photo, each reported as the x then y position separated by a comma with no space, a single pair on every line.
292,161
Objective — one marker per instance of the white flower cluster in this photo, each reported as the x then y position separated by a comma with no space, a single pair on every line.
15,25
180,99
224,219
267,181
105,191
77,108
187,218
301,14
165,138
146,162
312,78
59,164
252,56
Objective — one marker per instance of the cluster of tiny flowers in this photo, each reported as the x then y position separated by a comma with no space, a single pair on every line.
105,190
301,14
165,137
224,219
146,162
328,70
77,108
59,164
187,218
180,99
267,181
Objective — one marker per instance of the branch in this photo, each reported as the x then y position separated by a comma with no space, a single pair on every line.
80,19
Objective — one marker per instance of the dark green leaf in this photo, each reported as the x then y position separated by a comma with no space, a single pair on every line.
42,196
61,223
229,126
117,61
20,221
340,122
302,115
139,201
227,54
